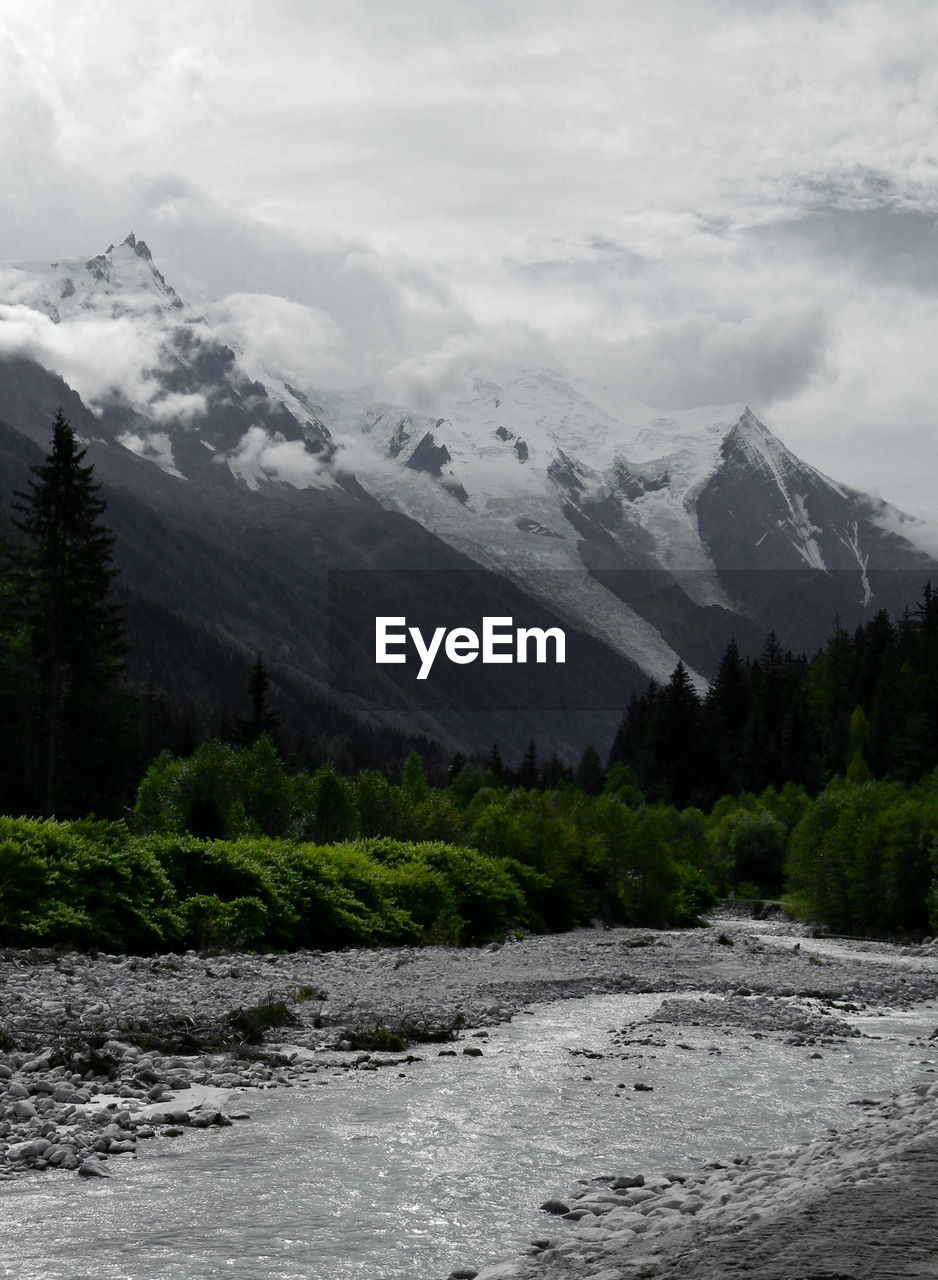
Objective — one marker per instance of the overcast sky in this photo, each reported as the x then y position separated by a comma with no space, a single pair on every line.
695,201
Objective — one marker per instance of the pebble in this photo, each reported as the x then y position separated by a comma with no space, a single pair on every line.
70,1023
611,1242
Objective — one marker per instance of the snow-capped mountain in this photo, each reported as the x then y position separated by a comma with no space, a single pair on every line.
660,535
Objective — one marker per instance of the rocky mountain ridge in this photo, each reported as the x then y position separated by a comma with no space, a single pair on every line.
657,535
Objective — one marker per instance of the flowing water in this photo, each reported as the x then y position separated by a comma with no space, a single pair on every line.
411,1172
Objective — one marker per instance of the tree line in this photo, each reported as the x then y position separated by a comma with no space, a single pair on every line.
76,731
808,778
865,707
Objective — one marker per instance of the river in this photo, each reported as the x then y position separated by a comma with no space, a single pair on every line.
407,1173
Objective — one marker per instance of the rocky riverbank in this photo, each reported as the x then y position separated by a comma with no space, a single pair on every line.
100,1052
856,1206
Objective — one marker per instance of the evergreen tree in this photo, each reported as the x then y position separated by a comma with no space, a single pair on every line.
590,776
632,745
414,782
263,718
676,738
69,636
529,775
555,772
725,713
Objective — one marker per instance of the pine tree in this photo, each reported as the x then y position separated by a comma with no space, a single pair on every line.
414,781
590,775
71,636
555,772
529,775
725,713
676,738
263,718
633,745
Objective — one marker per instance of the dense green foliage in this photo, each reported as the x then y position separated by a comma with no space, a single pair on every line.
463,864
863,859
99,885
867,704
804,778
575,856
65,724
83,711
284,861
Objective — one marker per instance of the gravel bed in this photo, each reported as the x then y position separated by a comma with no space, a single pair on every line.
98,1052
855,1206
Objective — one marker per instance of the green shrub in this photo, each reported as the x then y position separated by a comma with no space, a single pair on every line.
218,792
211,924
82,884
862,859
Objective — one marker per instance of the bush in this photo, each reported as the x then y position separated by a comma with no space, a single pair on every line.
862,858
82,884
218,792
750,847
211,924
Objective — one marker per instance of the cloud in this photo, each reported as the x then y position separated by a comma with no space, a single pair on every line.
882,245
719,200
702,359
155,446
178,406
264,455
432,379
871,424
921,533
297,343
95,355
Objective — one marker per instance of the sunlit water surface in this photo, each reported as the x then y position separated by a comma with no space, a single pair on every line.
386,1175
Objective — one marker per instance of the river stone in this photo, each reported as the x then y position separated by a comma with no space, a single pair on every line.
555,1206
639,1195
23,1110
118,1049
27,1150
36,1064
92,1169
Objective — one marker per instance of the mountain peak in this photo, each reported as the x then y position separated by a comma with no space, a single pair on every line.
122,280
140,247
749,422
749,434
